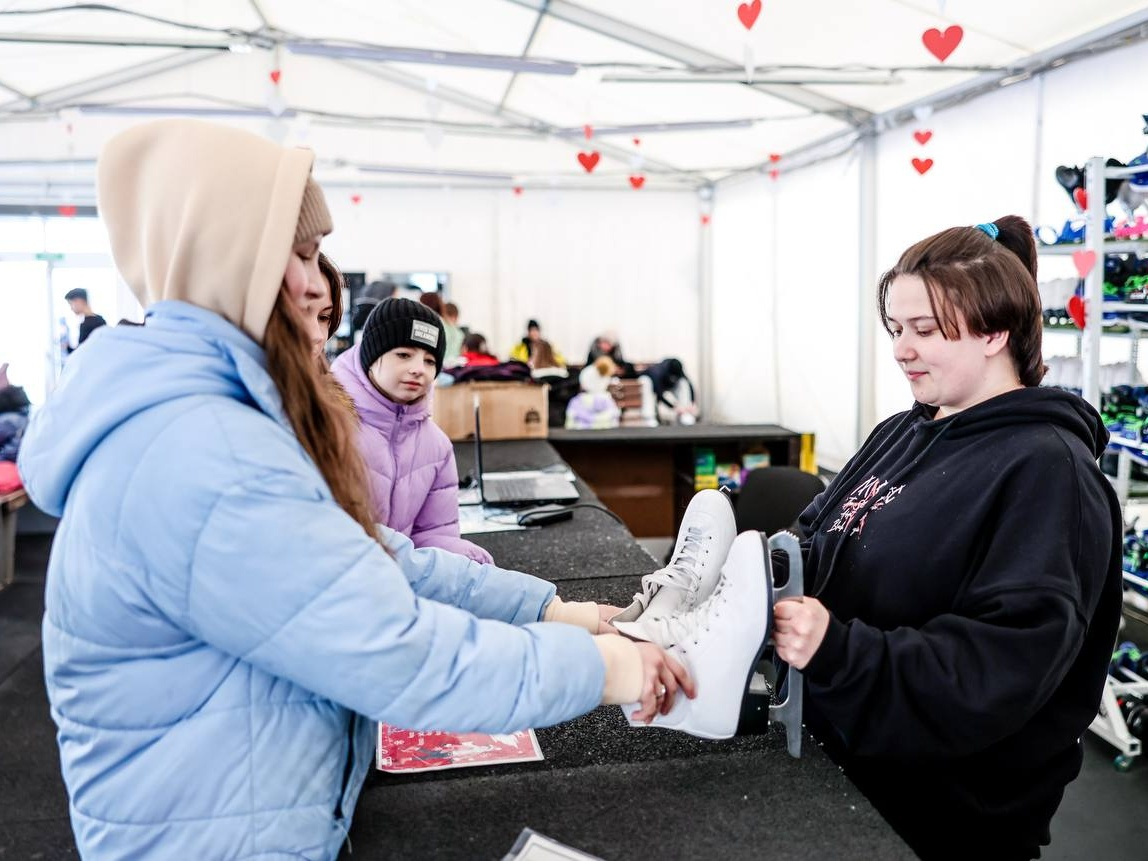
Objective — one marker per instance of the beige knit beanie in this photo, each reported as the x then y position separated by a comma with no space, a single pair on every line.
207,214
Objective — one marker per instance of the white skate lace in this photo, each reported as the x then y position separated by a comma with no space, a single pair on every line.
680,573
684,628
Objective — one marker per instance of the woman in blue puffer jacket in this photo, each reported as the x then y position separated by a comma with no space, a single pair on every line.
223,620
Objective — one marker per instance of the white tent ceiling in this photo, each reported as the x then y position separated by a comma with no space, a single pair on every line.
662,83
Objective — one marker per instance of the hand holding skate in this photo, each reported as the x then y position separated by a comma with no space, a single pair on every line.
662,676
799,626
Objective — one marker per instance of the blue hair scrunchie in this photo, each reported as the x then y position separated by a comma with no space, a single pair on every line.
990,229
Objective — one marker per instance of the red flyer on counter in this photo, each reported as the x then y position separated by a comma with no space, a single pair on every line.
404,750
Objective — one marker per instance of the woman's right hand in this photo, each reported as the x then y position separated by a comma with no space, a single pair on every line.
662,676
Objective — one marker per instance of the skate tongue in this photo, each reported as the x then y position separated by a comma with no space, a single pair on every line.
639,630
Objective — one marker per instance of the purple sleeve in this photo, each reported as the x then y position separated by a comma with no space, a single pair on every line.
436,524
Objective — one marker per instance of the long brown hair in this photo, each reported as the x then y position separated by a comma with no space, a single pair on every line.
334,279
323,425
990,282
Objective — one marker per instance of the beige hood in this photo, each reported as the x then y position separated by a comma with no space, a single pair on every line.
203,213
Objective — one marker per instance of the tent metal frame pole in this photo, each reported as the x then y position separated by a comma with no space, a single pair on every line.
866,281
637,37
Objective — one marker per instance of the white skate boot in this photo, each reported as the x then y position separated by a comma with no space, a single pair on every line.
719,643
707,531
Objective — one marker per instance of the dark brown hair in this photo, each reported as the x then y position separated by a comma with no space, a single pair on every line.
474,343
324,426
543,356
432,301
334,279
990,283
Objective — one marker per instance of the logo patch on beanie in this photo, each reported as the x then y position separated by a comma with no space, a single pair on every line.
424,333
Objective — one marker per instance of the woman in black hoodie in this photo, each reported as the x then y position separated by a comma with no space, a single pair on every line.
963,570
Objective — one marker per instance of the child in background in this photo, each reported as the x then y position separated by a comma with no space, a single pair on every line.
410,462
593,407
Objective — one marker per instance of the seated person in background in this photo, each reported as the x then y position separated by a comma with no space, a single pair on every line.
410,462
474,352
668,395
593,407
524,349
607,344
13,416
454,334
432,301
543,365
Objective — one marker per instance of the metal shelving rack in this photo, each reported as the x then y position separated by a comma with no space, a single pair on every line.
1109,723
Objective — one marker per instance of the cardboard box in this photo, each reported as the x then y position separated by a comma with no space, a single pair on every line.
509,410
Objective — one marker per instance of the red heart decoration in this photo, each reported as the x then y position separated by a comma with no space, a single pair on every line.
518,189
637,141
747,13
588,131
356,199
923,137
774,174
922,165
588,160
1084,261
1080,197
705,220
637,181
775,157
67,210
940,44
275,76
1075,308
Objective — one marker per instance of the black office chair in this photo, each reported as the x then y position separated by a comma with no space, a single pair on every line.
772,498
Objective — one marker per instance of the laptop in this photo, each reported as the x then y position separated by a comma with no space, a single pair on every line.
509,489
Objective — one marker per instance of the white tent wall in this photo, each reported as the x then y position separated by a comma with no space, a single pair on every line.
786,303
579,262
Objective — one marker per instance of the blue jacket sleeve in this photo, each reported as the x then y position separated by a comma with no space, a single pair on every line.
487,591
284,579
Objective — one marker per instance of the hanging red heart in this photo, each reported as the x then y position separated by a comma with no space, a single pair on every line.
923,136
775,157
774,174
637,141
1084,261
275,74
747,13
356,199
518,189
588,160
705,220
1075,308
940,44
1080,198
637,181
922,165
588,131
67,210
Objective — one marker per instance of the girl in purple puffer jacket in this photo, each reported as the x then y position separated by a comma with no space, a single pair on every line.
410,462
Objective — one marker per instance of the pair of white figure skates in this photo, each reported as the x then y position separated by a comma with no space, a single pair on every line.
712,609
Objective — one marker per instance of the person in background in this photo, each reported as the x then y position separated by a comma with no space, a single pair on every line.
474,352
544,364
524,349
13,416
667,394
454,334
607,344
594,408
963,571
220,603
77,300
432,301
368,298
410,461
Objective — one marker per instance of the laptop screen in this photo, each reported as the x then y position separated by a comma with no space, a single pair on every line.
478,449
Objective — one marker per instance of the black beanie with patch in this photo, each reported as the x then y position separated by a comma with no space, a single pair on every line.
402,323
